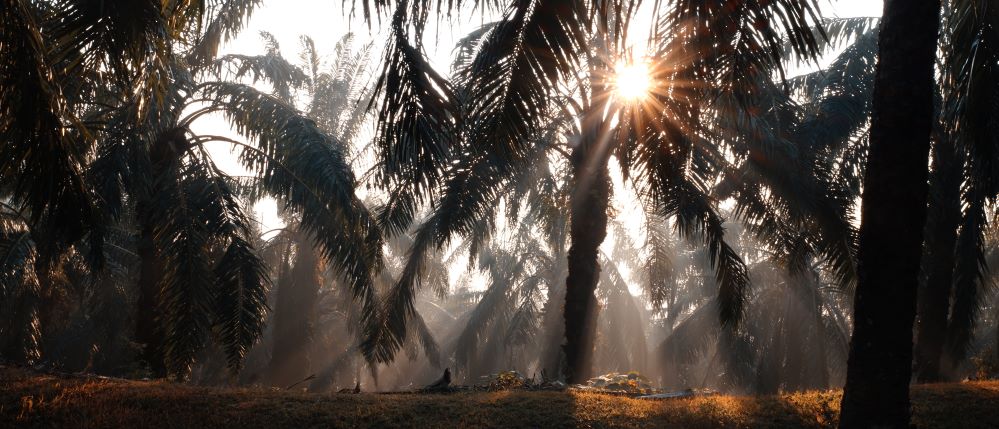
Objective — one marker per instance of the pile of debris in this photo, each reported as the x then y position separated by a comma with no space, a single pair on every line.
513,380
637,386
630,384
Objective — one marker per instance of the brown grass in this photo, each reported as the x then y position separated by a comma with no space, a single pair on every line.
30,400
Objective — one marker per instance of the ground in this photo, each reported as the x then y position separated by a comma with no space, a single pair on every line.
29,400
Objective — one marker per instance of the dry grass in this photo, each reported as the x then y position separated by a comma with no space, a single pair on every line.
29,400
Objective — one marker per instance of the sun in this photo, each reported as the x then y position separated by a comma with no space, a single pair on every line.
632,81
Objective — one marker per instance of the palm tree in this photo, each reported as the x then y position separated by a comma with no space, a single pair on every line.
839,98
129,81
475,132
947,328
893,214
67,63
337,100
794,336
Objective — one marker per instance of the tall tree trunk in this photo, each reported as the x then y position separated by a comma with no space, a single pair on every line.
164,156
554,330
587,229
942,224
893,215
148,332
295,317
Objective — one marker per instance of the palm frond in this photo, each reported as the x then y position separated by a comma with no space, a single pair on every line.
46,145
240,300
416,120
221,24
272,67
305,170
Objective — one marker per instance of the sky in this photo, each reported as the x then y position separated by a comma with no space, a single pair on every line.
327,21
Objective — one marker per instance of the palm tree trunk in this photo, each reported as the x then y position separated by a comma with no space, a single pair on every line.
893,215
163,157
587,229
587,232
554,328
941,240
147,330
294,317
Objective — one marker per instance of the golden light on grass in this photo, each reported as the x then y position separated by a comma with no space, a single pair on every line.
632,81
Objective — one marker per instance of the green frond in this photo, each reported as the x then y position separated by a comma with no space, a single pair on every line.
304,168
240,300
415,134
732,42
45,143
271,67
221,23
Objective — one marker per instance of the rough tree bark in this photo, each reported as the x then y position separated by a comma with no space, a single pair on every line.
893,215
938,263
587,230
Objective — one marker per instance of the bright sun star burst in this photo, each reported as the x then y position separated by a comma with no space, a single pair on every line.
632,81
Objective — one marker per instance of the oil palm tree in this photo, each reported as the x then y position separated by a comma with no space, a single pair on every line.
68,64
474,132
968,174
58,57
295,162
336,100
893,215
794,337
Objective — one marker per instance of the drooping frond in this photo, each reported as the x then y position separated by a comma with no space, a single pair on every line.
416,129
221,24
306,171
240,300
673,163
422,332
971,282
45,145
183,243
660,278
272,67
969,80
692,337
730,42
507,88
19,292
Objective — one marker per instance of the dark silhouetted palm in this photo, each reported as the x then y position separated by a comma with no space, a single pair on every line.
460,143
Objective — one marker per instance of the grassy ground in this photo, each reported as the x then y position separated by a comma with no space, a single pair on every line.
31,400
